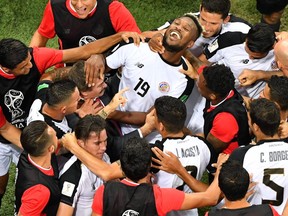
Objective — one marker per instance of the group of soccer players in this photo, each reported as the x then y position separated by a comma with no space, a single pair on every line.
204,85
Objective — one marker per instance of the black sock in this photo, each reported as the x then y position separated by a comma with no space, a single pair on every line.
1,196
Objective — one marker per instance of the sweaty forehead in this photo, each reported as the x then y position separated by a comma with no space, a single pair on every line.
187,21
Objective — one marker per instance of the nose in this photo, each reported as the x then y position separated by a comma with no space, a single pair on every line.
29,65
103,146
79,3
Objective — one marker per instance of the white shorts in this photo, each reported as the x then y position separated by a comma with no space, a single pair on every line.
8,153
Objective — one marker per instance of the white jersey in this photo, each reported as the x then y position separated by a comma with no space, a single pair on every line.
268,163
148,77
235,57
79,185
61,127
195,122
202,42
194,155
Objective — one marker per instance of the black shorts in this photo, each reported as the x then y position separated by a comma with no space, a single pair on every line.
270,6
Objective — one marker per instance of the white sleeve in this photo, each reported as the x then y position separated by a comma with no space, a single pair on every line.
119,56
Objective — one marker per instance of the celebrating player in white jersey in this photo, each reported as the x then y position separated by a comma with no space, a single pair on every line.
267,160
193,152
150,75
239,51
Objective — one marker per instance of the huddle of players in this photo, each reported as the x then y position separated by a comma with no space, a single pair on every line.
225,123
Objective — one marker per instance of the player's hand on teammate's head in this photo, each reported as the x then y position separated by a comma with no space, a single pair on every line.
155,43
221,159
137,38
68,140
94,68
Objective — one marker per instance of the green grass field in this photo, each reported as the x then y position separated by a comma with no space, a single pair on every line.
19,19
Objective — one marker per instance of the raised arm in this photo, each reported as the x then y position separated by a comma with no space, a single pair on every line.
38,40
210,196
97,166
248,77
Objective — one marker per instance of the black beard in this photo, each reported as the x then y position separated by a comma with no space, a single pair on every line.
171,48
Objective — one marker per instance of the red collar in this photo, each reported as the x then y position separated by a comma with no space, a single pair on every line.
6,75
212,107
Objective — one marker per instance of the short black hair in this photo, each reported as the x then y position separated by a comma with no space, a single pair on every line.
233,180
135,158
219,79
89,124
279,91
171,112
35,138
78,76
59,92
221,7
260,38
12,52
266,115
196,22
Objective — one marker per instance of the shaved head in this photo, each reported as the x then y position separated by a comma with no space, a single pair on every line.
281,55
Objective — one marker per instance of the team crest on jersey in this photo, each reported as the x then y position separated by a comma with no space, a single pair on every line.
274,65
86,39
130,212
164,87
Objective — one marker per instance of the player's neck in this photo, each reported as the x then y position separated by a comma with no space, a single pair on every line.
172,57
236,204
42,161
262,136
55,114
175,135
164,133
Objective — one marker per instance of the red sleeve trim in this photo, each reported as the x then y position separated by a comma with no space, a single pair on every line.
2,118
46,57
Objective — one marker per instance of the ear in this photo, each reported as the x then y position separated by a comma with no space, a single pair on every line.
227,19
161,127
51,148
190,44
5,69
84,94
255,127
80,143
212,96
200,7
63,109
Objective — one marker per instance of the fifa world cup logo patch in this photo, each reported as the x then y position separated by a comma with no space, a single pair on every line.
164,87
